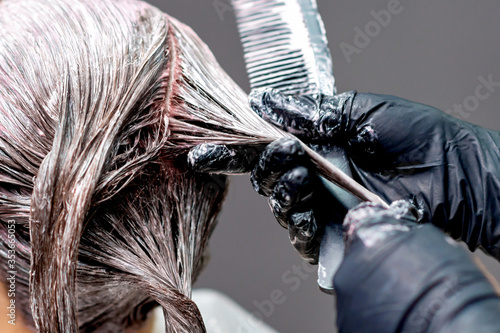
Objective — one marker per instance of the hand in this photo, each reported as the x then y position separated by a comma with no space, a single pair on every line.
398,276
398,149
281,172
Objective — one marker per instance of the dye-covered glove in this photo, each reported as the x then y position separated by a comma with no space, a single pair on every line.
448,168
399,276
279,170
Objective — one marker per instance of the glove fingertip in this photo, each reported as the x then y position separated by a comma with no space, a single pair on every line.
265,97
212,158
277,158
303,233
280,215
294,188
201,156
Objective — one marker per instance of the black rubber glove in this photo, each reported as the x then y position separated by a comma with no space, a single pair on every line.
448,168
280,171
398,276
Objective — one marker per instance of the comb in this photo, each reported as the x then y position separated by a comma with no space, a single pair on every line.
285,48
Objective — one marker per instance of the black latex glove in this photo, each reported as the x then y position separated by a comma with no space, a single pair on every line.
398,276
398,149
280,171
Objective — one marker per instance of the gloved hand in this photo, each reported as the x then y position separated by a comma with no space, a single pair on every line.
448,168
398,276
279,170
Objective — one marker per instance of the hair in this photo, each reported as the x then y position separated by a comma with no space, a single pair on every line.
106,219
100,101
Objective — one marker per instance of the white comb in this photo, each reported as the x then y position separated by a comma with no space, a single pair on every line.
285,46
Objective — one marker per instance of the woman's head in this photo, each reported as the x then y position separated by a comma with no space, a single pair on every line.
108,223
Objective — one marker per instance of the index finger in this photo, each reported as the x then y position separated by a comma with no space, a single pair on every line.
226,159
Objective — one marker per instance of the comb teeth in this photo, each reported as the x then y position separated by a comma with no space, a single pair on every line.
285,46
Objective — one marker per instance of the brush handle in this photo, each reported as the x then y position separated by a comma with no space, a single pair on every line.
331,172
337,180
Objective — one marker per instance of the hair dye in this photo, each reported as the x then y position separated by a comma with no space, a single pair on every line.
108,221
100,100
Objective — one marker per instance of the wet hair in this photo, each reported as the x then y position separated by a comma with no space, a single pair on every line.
107,221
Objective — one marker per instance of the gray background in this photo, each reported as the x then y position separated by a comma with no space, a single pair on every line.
432,52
